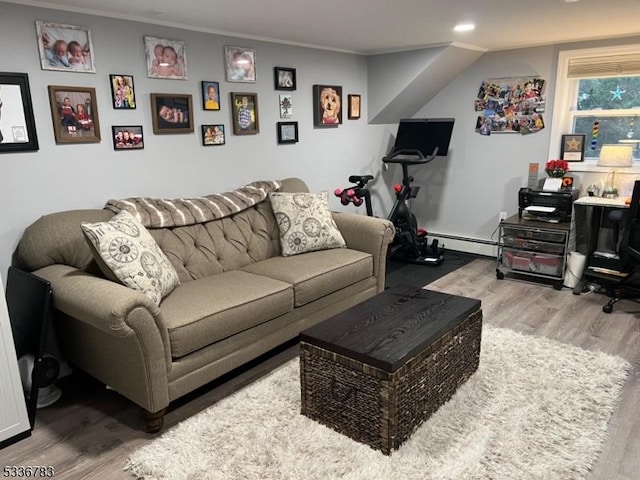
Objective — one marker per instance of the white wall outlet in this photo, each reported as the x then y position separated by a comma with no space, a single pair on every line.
503,216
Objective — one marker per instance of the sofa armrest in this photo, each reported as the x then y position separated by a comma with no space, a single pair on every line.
367,234
112,332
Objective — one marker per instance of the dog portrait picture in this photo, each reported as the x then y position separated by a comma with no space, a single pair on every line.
327,105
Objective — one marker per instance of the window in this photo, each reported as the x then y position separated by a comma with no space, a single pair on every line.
598,94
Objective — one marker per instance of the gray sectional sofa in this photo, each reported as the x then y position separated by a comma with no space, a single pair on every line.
238,297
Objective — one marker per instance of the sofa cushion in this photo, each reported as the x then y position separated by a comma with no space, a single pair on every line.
316,274
126,252
203,311
305,222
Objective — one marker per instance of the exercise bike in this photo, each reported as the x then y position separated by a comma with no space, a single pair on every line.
410,243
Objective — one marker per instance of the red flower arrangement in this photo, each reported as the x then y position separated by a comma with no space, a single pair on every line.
556,168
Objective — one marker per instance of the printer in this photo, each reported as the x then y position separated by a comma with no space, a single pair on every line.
537,204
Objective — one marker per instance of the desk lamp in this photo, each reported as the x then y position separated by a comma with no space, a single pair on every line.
614,155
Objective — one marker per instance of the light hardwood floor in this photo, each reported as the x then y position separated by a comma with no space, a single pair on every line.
89,433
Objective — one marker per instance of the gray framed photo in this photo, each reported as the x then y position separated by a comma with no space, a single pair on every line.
74,112
127,137
66,48
17,125
287,132
240,64
171,113
572,148
166,58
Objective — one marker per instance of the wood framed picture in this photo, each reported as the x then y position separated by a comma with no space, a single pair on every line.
123,93
287,132
171,113
74,112
127,137
354,107
166,58
327,105
284,78
65,48
240,64
572,148
210,95
213,135
245,113
17,125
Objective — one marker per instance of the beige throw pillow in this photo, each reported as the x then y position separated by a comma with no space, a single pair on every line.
124,247
305,222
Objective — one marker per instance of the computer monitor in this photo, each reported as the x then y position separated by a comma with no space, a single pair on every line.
423,135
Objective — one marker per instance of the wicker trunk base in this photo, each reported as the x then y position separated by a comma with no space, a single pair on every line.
383,409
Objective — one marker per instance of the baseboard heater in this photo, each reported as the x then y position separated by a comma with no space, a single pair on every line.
478,246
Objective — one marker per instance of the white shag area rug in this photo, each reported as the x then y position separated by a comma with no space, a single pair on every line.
535,409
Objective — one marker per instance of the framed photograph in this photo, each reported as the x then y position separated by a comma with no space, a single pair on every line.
327,105
17,126
286,105
166,58
123,94
171,113
245,113
210,95
285,78
65,48
287,132
213,135
127,137
572,148
354,107
74,112
240,64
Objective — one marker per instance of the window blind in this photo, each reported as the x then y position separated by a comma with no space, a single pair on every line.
606,65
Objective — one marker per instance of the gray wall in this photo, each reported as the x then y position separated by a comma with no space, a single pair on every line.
462,194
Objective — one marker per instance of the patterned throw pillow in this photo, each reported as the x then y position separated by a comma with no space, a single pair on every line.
305,222
124,247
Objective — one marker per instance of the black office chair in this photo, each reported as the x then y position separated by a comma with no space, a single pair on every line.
619,287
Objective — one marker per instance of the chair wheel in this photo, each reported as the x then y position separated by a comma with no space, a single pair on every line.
557,286
607,308
499,275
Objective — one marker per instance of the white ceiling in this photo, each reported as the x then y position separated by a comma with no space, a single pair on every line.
377,26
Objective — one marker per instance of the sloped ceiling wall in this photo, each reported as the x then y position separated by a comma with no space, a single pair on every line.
400,84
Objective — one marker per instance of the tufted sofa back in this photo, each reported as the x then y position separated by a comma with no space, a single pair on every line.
221,245
195,251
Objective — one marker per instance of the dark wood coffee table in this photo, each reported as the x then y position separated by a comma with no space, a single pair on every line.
378,370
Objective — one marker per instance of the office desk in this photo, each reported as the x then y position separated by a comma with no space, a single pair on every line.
598,205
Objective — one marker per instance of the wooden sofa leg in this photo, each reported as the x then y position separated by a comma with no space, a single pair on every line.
153,421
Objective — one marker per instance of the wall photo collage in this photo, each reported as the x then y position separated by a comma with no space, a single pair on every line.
74,109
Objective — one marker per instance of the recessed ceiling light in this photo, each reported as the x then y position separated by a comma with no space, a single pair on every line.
464,27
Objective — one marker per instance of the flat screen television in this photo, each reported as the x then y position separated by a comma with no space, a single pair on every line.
423,135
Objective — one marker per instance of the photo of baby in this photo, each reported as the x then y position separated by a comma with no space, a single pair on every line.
166,58
171,113
65,47
240,64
